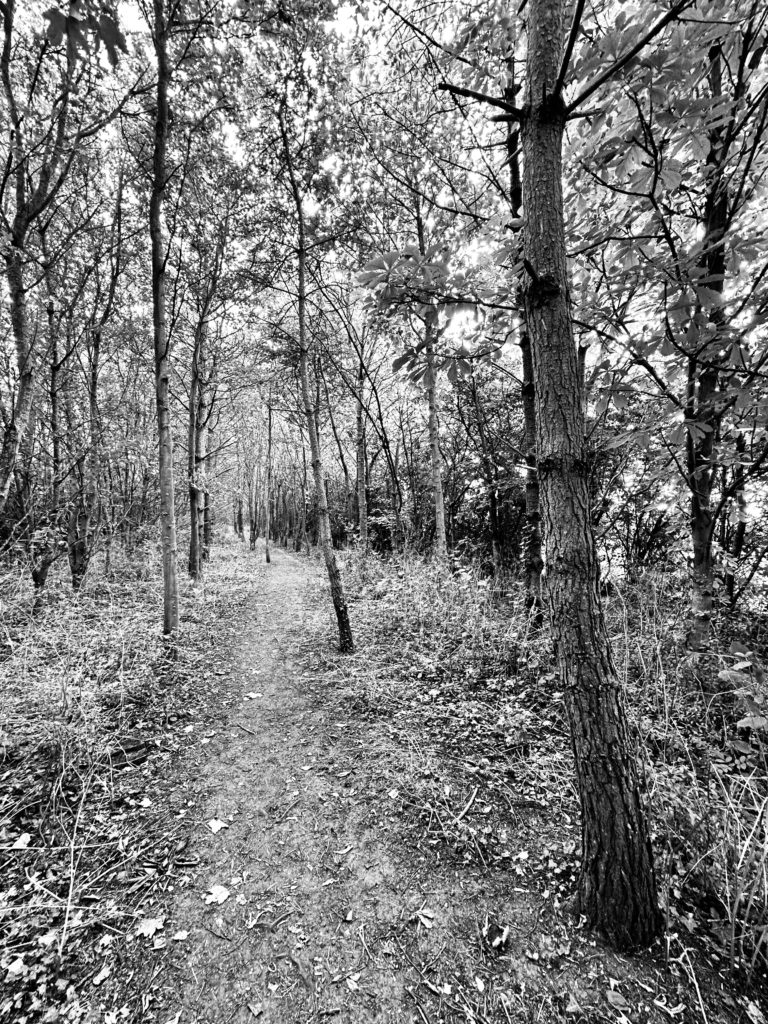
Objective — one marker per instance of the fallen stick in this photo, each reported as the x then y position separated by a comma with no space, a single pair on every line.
469,804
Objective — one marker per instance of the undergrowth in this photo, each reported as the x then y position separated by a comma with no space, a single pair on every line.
94,710
461,654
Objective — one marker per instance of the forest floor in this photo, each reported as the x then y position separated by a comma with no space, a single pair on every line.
298,836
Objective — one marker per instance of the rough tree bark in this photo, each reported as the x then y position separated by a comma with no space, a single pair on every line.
617,888
161,342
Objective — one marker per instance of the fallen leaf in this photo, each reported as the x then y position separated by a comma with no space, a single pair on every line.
253,695
573,1004
255,1009
754,1013
180,936
22,842
149,926
352,982
17,968
216,825
617,1000
217,894
175,1019
103,974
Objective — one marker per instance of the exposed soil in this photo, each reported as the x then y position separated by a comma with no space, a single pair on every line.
325,916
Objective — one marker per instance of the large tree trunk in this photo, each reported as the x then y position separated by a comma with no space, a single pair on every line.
617,888
162,351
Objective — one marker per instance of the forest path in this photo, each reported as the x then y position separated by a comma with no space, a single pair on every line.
319,922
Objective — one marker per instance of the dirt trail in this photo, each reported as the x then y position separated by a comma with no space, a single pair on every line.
321,918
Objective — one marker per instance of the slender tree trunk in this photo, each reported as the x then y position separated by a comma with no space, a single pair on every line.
346,643
362,493
162,350
195,564
617,888
253,508
268,482
304,500
210,473
54,395
80,533
22,406
740,529
702,411
436,461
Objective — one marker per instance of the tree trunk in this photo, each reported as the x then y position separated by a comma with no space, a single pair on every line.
441,547
194,455
702,411
162,352
346,643
617,888
740,530
80,532
362,494
532,540
533,561
253,508
268,482
22,406
210,473
54,396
